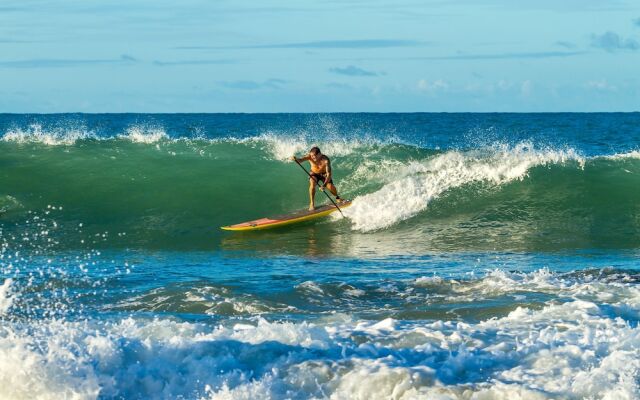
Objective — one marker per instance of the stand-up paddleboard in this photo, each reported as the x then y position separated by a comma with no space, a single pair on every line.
281,220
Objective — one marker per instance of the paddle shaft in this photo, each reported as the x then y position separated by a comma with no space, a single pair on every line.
321,188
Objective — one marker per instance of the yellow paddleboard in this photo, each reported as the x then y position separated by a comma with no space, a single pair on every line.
294,218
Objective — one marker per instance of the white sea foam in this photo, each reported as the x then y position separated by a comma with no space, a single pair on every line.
66,136
583,347
624,298
367,170
282,147
8,203
6,300
35,133
419,182
353,292
144,134
429,281
206,299
635,154
310,287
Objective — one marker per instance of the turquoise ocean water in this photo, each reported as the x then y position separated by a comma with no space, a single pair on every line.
485,256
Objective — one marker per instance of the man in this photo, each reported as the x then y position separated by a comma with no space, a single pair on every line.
320,172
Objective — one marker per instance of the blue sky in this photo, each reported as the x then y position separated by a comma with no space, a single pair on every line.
317,56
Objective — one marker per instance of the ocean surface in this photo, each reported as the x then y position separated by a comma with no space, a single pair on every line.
485,256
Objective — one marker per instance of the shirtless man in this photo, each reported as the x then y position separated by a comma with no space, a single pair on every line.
320,171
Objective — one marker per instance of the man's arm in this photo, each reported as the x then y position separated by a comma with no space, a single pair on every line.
305,158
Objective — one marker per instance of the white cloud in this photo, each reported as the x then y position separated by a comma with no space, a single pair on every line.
526,88
601,85
439,85
504,84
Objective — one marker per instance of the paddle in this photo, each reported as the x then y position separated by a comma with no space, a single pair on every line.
321,188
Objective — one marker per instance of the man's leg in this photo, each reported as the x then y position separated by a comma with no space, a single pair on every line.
312,193
332,189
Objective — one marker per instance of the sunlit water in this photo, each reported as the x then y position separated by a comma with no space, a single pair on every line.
484,257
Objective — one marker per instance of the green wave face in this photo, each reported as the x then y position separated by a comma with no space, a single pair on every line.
175,194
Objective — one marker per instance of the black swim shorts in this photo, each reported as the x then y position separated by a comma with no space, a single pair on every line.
321,177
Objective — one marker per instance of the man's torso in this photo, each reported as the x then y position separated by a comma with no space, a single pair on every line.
321,166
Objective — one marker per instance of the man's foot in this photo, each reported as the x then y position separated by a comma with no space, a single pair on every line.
340,200
311,207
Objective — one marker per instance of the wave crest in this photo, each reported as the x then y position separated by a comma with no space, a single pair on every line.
282,147
420,182
144,134
35,133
